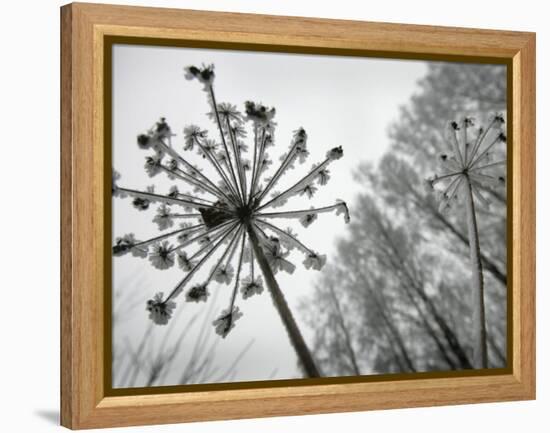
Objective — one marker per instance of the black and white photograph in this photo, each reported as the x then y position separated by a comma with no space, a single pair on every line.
270,216
285,216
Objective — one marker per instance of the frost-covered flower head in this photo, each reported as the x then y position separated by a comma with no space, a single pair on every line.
192,133
162,218
162,256
205,74
469,163
230,224
160,311
229,115
197,293
315,261
115,176
224,274
128,243
226,321
259,114
251,286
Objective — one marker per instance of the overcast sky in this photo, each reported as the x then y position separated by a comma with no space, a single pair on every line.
347,101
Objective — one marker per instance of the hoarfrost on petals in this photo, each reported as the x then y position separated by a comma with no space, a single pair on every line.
226,321
153,165
335,153
315,261
161,257
276,257
308,219
184,262
258,113
160,311
251,286
115,189
323,176
309,190
197,293
191,134
124,244
163,217
224,274
205,75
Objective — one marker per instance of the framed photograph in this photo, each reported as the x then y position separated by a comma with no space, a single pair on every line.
265,215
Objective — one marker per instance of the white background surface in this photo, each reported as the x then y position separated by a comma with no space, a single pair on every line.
29,96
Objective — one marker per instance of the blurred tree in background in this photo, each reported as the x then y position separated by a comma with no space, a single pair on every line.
396,299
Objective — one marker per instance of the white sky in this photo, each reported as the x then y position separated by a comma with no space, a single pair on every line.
347,101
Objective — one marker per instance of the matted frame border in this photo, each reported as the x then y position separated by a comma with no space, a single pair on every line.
86,400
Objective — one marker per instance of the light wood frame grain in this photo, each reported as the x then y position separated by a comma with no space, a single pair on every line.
84,401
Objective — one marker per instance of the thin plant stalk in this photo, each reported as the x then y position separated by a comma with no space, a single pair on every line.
296,338
478,297
222,135
463,169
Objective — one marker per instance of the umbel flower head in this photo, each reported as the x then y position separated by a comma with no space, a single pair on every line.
469,162
226,219
160,311
468,169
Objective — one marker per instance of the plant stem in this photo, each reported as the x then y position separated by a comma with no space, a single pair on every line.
217,167
192,177
296,338
478,300
219,123
237,153
257,168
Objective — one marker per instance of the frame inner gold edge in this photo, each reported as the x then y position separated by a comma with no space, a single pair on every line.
105,36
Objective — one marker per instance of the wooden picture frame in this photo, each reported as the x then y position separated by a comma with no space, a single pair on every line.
85,28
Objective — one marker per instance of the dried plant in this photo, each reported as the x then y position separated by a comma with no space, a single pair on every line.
233,212
469,170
